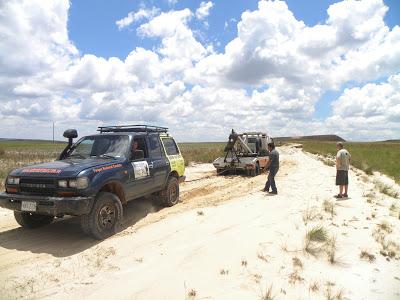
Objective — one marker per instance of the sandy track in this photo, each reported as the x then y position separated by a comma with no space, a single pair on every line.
202,242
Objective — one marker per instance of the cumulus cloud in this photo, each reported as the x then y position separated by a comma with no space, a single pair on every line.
204,10
370,110
269,77
137,16
176,37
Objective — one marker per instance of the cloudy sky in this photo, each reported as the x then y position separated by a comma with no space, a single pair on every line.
201,68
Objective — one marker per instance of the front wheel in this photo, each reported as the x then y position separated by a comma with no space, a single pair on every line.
30,220
170,195
105,217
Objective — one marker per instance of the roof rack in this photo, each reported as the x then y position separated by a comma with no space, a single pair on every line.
132,128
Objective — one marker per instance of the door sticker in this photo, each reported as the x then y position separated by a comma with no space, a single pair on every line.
141,169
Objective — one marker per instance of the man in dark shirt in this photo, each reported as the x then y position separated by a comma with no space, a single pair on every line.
273,165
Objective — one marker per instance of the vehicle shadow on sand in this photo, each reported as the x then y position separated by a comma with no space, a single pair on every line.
64,236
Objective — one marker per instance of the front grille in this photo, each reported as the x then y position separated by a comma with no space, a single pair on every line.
38,186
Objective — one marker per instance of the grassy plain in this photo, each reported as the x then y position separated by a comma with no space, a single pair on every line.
367,156
376,156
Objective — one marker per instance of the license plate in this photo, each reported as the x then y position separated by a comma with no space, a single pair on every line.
28,206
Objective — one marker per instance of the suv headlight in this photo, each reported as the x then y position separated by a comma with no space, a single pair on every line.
80,183
63,183
12,180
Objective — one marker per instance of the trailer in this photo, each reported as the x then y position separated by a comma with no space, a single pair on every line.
245,153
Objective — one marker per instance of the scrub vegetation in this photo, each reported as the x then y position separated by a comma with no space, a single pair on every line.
373,156
14,154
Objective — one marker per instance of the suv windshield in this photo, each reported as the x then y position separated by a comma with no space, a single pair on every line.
108,146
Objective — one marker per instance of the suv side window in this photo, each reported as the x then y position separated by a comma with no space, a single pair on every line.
170,146
141,145
154,146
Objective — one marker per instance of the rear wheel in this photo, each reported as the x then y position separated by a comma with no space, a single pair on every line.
170,195
105,217
30,220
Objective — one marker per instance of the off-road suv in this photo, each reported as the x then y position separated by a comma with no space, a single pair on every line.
95,176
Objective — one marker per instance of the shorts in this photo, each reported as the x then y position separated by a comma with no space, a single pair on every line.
342,177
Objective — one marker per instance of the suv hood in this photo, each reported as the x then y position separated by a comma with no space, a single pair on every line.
62,168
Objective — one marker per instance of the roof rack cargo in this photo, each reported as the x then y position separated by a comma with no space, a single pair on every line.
132,128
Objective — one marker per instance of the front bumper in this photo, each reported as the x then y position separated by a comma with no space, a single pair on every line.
54,206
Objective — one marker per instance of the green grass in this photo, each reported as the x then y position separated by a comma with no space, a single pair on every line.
367,156
32,145
15,154
201,152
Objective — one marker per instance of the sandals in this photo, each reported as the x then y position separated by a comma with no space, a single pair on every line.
338,196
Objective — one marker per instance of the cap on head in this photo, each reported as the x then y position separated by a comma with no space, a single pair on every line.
271,145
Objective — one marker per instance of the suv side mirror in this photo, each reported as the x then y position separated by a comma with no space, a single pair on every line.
137,154
70,134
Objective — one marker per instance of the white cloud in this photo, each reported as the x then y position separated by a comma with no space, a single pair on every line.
133,17
268,78
371,111
204,10
177,38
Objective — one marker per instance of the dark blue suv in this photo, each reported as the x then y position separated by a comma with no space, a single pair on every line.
95,176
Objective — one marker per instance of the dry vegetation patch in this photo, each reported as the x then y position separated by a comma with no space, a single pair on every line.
367,256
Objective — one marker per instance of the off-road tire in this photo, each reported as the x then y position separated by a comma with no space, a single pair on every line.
30,220
170,195
105,217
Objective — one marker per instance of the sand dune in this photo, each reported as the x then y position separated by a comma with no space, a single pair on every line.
225,240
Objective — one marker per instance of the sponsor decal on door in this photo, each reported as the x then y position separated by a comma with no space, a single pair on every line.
141,169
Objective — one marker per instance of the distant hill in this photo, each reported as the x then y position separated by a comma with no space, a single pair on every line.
322,137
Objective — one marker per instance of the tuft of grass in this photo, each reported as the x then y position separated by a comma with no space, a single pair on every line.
327,160
333,296
297,262
224,272
317,234
295,277
314,287
192,293
367,256
313,239
267,294
329,207
386,189
262,256
385,226
331,249
309,214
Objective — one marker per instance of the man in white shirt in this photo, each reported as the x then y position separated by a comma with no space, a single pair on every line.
343,158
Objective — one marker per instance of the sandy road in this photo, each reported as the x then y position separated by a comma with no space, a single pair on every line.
225,240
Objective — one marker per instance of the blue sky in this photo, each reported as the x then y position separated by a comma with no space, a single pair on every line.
201,66
92,22
92,27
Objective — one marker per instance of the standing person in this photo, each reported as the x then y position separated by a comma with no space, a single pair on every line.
273,165
343,158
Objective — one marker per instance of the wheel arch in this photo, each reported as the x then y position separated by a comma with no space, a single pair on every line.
115,188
